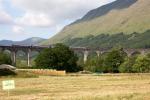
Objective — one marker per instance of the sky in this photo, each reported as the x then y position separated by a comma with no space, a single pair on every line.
22,19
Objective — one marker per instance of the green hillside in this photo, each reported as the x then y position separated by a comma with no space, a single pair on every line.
121,16
134,40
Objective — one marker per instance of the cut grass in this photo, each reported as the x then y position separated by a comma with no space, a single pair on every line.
21,74
81,87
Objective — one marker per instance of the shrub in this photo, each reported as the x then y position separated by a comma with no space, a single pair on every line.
94,65
60,57
142,64
113,60
127,65
5,58
7,72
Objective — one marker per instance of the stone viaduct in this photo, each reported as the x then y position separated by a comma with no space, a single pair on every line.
85,51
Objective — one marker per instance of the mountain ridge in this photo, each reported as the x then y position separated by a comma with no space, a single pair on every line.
100,11
29,41
134,17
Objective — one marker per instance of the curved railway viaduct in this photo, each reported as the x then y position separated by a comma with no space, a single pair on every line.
86,51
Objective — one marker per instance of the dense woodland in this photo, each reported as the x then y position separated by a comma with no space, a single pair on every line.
134,40
117,61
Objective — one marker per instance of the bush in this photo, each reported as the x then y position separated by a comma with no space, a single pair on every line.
113,60
7,72
5,58
127,65
94,65
142,64
60,57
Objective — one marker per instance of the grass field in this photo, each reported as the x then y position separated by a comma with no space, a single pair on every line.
81,87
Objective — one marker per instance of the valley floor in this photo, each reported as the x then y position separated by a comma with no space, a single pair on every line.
81,87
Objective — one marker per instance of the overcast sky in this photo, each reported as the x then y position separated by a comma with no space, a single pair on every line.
21,19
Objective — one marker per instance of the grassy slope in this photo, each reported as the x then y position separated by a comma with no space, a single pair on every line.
136,18
135,40
85,87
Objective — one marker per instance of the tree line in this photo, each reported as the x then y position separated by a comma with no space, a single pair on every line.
134,40
117,61
61,57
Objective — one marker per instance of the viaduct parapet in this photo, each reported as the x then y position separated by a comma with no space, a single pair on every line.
85,51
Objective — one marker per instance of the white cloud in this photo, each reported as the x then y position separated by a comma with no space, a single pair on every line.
17,29
54,12
32,19
14,36
5,18
51,15
1,1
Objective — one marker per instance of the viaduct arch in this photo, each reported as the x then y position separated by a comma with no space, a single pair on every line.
86,51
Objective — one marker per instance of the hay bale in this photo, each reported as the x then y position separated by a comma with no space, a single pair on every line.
61,73
49,72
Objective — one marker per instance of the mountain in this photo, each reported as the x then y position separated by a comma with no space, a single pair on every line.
117,5
120,16
6,42
29,41
134,40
